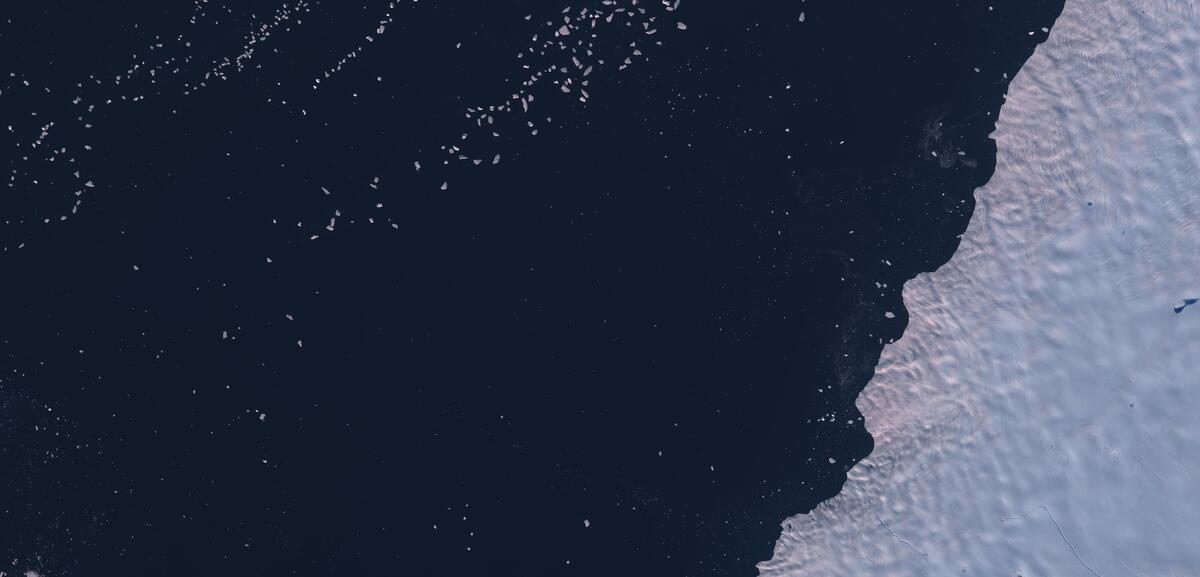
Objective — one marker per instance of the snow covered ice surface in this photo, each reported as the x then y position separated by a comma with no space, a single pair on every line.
1039,416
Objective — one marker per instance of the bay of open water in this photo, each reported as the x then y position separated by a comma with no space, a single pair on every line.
243,333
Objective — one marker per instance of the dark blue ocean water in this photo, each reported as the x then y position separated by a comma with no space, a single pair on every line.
631,347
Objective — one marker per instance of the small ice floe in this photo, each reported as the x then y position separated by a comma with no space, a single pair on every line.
562,56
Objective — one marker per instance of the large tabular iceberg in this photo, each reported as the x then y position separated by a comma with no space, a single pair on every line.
1039,417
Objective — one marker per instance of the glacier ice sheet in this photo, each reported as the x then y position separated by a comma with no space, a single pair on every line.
1039,416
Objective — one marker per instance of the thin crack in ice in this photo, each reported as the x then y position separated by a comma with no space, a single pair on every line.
923,554
1062,534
